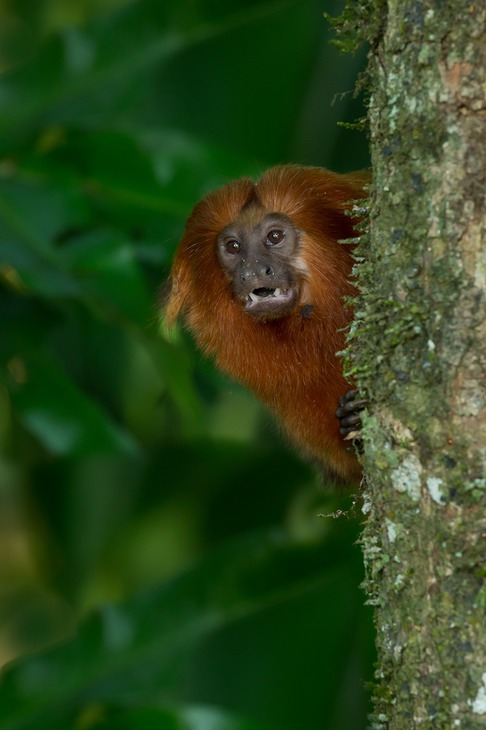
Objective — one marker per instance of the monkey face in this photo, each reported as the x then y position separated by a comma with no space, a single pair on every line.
256,253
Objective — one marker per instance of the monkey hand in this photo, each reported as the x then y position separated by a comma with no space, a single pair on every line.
348,414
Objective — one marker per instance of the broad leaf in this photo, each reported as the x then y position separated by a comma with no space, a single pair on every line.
132,648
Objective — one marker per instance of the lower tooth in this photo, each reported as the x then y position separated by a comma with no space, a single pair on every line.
277,292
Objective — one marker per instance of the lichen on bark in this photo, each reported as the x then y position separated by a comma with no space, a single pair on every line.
418,349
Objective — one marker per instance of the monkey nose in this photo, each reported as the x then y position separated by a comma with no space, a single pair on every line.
247,274
260,272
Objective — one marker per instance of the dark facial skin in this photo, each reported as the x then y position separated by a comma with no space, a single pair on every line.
256,252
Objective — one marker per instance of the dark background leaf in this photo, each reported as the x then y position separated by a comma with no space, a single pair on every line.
141,491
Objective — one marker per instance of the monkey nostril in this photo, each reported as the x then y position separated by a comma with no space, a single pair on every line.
269,271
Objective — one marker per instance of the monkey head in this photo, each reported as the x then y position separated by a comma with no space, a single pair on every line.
256,252
265,252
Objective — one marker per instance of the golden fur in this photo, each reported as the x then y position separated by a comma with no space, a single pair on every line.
290,363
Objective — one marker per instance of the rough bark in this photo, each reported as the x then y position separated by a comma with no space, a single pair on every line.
419,351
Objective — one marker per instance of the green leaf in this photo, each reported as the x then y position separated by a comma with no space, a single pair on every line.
26,323
29,216
156,172
181,718
132,649
62,417
85,73
174,362
103,263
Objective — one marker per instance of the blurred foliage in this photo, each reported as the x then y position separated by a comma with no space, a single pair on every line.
161,548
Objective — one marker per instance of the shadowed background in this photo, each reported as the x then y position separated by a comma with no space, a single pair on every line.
162,553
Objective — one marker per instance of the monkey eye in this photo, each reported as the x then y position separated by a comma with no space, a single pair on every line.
274,236
232,246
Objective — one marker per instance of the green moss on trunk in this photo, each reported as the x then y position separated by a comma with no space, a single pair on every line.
418,350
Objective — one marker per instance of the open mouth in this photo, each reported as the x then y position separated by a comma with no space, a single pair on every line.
263,293
265,300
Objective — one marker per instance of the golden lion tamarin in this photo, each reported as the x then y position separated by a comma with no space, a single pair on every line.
261,279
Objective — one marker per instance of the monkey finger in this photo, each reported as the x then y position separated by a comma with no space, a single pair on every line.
349,396
351,407
358,404
350,401
352,420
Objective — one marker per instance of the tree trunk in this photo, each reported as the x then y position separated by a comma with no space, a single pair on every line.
419,350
